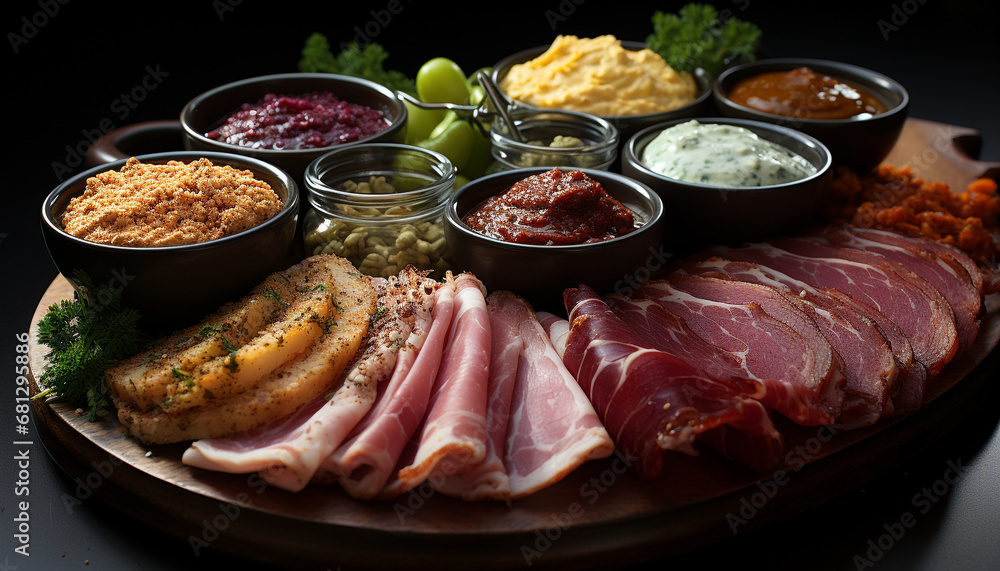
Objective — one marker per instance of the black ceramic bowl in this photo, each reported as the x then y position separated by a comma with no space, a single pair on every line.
177,286
627,125
700,214
208,110
860,144
541,273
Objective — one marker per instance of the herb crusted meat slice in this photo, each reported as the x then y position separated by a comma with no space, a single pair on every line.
267,395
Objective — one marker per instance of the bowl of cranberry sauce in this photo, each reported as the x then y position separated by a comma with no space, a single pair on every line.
290,119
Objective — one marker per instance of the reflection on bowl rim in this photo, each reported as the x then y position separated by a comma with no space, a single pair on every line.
290,204
630,155
201,138
883,81
701,78
650,195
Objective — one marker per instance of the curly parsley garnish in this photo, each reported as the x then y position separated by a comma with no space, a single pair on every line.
86,336
696,37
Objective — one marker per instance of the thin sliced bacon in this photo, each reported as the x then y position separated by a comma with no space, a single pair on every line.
794,363
651,401
366,461
867,361
942,270
453,435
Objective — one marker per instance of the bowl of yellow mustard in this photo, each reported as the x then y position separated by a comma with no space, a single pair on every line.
620,81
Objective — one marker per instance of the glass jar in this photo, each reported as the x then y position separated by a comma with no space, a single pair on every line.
553,138
380,206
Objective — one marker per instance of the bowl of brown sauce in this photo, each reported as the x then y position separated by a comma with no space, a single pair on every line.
537,231
856,112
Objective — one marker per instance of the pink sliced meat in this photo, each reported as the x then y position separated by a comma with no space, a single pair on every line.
453,435
367,460
553,427
906,298
942,271
488,479
795,364
556,328
288,453
867,362
651,401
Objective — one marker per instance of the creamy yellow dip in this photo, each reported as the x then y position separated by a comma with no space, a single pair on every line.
600,77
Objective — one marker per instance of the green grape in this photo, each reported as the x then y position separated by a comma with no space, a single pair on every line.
455,142
440,80
420,122
479,155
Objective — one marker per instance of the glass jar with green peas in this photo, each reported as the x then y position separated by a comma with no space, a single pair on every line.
380,206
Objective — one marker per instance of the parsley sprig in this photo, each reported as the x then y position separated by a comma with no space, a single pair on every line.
85,337
366,62
696,37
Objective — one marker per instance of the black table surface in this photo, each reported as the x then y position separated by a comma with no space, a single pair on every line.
76,68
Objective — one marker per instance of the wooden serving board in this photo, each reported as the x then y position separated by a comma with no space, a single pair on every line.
599,516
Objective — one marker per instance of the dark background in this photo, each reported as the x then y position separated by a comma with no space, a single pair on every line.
66,81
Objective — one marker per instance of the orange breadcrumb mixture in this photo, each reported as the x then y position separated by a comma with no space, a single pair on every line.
892,199
170,204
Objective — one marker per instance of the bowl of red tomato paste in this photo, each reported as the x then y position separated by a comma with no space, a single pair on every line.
291,119
538,231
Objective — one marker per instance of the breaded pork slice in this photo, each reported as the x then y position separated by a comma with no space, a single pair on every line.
268,393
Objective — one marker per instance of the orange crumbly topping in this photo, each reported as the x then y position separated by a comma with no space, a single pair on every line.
893,199
170,204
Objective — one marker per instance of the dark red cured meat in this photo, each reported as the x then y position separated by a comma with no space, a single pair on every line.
867,361
792,359
651,401
942,271
906,298
908,391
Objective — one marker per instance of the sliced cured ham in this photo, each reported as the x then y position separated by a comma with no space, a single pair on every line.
797,368
366,461
878,293
453,435
556,328
903,296
942,270
651,401
288,452
488,479
867,362
668,332
542,426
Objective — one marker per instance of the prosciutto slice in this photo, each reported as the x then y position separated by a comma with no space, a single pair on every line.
796,366
867,361
556,328
453,436
366,461
288,452
942,270
651,401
